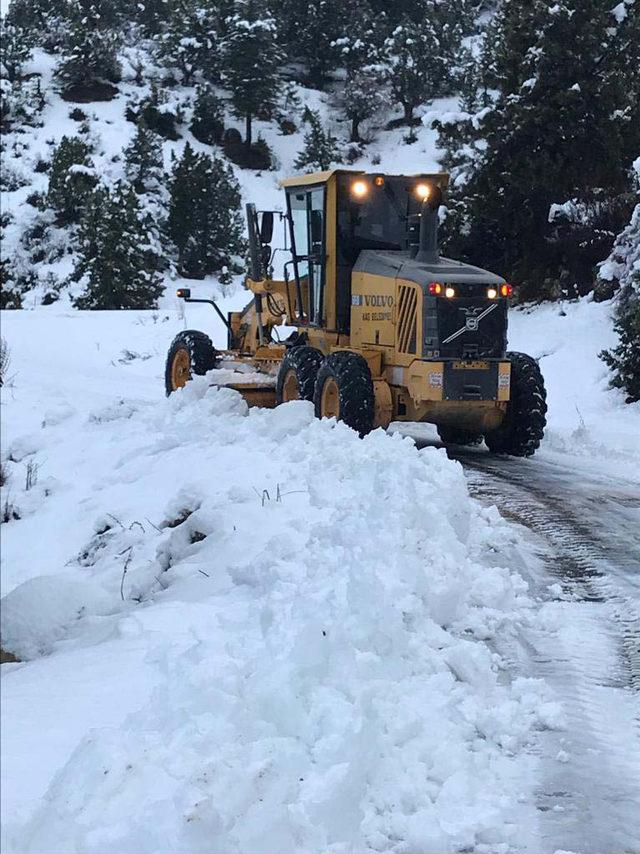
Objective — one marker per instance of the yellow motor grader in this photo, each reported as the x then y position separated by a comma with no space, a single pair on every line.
384,328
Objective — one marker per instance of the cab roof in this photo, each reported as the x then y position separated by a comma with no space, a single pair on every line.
442,178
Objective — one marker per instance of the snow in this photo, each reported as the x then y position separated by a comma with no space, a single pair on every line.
619,12
586,418
247,630
223,648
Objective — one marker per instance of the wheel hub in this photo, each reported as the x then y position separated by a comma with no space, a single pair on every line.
330,401
290,387
180,369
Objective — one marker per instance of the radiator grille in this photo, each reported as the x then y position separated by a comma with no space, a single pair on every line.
407,326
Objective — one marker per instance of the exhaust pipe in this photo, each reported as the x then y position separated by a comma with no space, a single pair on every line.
428,251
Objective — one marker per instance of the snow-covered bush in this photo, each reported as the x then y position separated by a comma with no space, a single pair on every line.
321,148
89,62
71,179
16,49
207,123
155,112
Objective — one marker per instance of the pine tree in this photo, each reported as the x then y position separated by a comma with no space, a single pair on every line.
189,41
361,52
114,252
17,45
204,221
71,179
43,20
621,271
143,168
423,50
320,147
542,182
362,98
624,359
89,56
252,62
143,162
207,124
152,15
309,30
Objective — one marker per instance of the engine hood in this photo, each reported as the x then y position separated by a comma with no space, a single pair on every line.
399,265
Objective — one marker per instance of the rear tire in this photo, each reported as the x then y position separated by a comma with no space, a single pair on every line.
344,390
297,374
191,353
454,436
523,427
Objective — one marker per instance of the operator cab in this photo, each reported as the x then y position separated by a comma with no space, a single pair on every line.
344,221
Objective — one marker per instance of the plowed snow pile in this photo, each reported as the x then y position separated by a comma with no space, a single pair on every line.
247,632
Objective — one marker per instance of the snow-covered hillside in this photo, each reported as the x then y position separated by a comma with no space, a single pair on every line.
249,631
104,125
245,629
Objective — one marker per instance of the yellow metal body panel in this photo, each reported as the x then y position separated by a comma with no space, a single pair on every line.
372,310
441,178
424,380
256,395
331,256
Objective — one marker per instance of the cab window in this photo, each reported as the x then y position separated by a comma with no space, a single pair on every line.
307,212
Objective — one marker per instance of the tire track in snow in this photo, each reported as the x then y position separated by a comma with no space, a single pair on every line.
588,798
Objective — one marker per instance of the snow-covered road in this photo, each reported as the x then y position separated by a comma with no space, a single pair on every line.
255,631
586,530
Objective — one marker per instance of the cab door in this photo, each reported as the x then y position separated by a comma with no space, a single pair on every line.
307,208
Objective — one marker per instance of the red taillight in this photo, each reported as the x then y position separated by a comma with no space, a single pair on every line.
435,289
506,290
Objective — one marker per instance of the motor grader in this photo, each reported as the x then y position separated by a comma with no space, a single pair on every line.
382,327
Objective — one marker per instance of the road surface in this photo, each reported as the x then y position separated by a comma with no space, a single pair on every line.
585,527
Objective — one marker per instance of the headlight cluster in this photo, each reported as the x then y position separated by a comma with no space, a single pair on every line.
360,188
436,289
503,291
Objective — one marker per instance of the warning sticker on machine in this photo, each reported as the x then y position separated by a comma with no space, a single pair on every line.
435,380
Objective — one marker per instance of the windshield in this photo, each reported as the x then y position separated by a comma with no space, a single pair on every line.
379,218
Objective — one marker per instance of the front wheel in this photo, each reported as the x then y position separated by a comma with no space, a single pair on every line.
344,390
297,374
191,352
522,430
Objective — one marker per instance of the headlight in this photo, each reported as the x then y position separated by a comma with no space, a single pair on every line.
359,189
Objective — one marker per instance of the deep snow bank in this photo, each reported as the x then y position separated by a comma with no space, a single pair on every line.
586,417
252,631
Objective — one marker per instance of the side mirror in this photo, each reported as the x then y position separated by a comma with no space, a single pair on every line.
266,227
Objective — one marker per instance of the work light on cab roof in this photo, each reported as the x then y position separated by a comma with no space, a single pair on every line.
384,326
